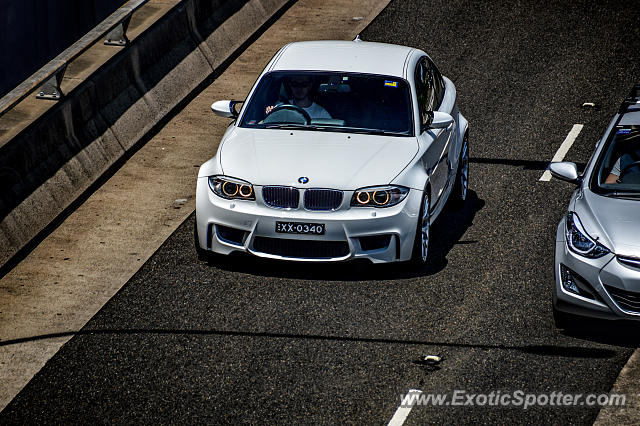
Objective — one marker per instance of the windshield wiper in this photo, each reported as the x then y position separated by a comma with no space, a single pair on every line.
363,131
295,126
288,126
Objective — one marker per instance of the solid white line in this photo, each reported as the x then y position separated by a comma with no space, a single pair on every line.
403,410
564,148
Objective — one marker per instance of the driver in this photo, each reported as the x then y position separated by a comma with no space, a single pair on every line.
300,90
621,164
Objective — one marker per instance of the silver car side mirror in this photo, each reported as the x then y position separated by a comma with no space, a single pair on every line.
438,120
225,108
565,171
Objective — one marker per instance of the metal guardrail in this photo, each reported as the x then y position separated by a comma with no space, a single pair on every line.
46,81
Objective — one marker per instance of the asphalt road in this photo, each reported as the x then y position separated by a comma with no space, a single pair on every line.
265,342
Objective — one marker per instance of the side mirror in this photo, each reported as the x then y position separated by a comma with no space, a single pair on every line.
438,120
565,171
226,108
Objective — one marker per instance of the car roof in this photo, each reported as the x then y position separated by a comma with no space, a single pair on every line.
630,107
348,56
631,117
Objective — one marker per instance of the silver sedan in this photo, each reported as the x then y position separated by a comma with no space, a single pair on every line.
597,257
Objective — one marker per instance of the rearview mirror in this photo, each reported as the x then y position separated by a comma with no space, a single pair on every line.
565,171
226,108
438,120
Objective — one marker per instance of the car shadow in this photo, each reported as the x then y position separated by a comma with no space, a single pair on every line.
92,331
525,164
609,332
447,231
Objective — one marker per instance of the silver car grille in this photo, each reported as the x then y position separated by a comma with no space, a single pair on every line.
322,199
627,300
283,197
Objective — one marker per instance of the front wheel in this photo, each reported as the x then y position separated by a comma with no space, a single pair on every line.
420,252
459,194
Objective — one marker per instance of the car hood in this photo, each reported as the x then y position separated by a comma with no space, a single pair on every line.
614,221
328,159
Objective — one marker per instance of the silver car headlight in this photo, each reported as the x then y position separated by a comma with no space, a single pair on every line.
379,196
231,188
579,241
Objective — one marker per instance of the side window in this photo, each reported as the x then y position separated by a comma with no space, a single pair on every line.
425,91
438,85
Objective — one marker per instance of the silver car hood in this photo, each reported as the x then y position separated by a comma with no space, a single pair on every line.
328,159
614,221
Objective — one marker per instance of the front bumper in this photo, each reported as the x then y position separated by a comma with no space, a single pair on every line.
607,285
252,224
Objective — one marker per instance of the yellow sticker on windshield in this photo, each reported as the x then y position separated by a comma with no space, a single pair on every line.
390,83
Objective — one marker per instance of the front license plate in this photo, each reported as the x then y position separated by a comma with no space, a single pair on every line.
300,228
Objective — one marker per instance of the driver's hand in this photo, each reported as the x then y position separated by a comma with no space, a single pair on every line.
269,108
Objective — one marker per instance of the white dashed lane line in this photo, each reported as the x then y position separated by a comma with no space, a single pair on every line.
405,407
564,148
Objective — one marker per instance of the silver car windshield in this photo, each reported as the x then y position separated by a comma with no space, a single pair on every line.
331,101
618,168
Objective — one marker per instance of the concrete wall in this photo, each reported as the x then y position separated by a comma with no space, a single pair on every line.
32,32
52,162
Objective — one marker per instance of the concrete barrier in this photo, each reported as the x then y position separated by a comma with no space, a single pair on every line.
54,160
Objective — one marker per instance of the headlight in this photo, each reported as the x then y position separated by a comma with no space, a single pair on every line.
231,188
579,241
379,196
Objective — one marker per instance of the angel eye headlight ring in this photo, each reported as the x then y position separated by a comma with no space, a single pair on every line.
361,200
245,191
381,201
231,188
379,196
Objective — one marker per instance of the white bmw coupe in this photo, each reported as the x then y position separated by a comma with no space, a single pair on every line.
342,150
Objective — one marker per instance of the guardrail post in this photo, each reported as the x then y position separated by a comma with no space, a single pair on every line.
118,35
50,89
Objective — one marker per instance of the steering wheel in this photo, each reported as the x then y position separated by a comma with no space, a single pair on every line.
288,107
627,168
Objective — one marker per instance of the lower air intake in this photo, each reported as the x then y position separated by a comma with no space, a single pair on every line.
301,248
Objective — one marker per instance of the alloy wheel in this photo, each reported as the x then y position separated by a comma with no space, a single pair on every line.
464,170
424,227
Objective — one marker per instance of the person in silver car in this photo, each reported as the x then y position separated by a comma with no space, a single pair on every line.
627,164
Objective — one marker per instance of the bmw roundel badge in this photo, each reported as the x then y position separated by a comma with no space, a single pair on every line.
303,179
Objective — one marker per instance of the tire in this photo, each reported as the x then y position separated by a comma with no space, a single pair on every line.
420,253
461,187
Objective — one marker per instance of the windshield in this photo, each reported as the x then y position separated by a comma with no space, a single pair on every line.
331,101
618,168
